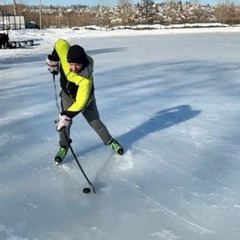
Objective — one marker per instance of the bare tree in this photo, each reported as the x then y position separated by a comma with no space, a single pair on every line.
195,2
147,5
14,8
226,12
124,8
122,3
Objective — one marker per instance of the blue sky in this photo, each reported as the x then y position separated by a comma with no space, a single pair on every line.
106,2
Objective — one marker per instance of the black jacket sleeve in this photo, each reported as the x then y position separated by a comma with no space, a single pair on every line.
54,57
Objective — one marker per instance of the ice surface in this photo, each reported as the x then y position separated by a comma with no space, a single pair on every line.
170,97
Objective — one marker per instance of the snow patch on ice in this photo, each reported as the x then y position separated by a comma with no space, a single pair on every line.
126,161
165,235
12,234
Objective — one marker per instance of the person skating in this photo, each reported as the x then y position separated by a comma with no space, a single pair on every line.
4,40
77,94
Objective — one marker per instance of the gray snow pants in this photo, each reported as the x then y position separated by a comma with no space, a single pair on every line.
91,115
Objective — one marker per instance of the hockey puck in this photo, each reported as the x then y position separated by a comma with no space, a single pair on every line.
86,190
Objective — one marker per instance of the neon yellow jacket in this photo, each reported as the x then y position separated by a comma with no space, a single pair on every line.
84,85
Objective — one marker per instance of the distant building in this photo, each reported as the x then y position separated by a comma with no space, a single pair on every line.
12,22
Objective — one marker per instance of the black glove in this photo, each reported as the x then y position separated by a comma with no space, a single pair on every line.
52,66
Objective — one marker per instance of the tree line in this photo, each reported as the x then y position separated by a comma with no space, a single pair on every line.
124,13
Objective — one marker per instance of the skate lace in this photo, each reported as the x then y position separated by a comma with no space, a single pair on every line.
62,152
115,146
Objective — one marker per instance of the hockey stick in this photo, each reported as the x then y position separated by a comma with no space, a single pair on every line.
85,190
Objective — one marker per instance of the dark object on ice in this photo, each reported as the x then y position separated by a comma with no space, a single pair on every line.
86,190
4,40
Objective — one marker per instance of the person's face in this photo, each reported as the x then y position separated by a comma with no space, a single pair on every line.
75,67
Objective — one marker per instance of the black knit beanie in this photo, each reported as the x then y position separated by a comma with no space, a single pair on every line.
76,54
